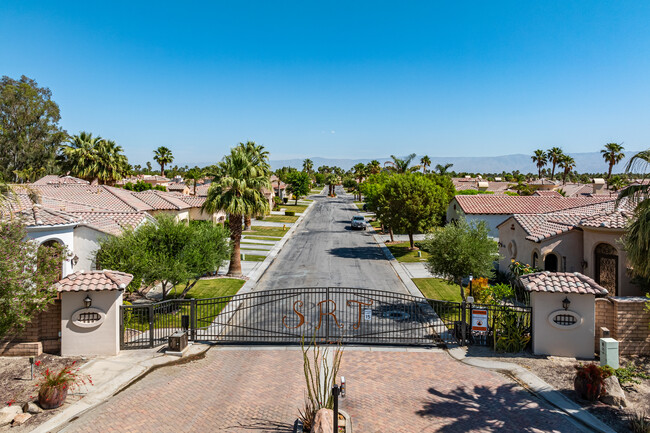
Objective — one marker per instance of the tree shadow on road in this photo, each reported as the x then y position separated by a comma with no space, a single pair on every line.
364,253
261,425
506,408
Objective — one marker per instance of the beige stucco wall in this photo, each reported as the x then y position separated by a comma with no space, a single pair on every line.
179,215
594,236
102,340
567,246
86,244
549,340
196,214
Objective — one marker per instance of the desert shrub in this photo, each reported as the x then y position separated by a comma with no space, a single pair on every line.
639,422
590,380
513,332
628,374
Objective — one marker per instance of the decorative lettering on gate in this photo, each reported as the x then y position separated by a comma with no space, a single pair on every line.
302,317
350,302
359,305
328,313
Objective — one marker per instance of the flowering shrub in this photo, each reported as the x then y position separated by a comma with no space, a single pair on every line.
68,377
518,269
590,381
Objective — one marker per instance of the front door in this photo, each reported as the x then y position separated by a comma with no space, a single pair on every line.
606,258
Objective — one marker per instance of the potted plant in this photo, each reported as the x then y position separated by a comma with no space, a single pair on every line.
589,382
53,387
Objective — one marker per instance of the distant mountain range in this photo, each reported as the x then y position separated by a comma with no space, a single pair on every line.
588,162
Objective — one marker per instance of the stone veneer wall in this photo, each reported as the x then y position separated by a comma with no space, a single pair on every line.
627,321
42,334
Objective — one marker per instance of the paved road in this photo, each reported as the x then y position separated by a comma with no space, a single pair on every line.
325,252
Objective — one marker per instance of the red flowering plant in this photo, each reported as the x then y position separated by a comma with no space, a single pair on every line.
589,382
53,386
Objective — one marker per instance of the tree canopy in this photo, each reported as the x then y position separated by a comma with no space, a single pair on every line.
27,276
299,184
460,249
93,159
29,129
169,252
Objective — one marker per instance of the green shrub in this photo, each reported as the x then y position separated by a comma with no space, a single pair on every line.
289,213
512,193
513,334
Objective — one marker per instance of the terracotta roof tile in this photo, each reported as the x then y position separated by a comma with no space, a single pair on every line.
94,281
52,179
161,200
561,282
504,205
41,216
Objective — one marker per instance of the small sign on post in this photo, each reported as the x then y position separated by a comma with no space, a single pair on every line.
367,314
479,320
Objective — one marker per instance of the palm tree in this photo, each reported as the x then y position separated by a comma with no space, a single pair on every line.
360,172
331,180
442,169
374,167
554,155
194,174
568,164
637,237
260,159
540,160
163,156
425,162
93,158
238,192
110,163
308,166
613,154
401,165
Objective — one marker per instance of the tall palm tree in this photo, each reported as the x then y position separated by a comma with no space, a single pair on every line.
613,154
194,174
360,172
442,169
425,162
163,156
567,163
93,159
110,163
637,236
308,166
238,192
554,155
260,159
402,165
540,160
374,167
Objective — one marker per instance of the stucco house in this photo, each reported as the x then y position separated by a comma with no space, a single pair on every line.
495,209
584,240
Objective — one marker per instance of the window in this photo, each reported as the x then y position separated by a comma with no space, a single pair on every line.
550,263
535,259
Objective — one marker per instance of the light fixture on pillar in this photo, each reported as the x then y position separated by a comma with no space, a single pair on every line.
566,303
88,302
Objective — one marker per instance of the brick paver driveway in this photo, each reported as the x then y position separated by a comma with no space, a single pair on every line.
261,390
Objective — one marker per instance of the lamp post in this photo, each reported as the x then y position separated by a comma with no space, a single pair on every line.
471,292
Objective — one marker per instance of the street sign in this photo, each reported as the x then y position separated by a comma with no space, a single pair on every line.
479,320
367,314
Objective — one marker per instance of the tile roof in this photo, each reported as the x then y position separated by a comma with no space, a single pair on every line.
194,201
505,205
614,220
160,200
547,194
561,282
38,215
94,281
113,223
177,187
52,179
203,189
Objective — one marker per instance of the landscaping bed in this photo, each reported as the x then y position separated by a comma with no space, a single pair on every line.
266,231
281,219
559,372
16,387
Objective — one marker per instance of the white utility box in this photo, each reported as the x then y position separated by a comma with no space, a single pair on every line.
609,352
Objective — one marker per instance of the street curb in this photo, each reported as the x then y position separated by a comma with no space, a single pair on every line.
538,387
116,385
402,274
260,270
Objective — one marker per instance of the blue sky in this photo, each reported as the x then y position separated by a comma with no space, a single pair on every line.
339,79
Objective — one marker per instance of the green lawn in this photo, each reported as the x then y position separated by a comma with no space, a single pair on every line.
295,208
359,205
263,238
267,231
281,218
203,289
437,288
402,253
252,258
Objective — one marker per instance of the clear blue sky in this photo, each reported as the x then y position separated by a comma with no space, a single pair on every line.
339,79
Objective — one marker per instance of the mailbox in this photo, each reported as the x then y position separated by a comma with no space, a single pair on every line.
609,352
177,341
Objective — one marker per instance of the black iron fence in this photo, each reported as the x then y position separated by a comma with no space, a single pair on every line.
329,315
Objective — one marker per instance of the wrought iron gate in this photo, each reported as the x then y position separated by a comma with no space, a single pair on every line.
287,316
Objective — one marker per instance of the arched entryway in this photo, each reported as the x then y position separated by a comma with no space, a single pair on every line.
55,248
606,262
550,263
535,260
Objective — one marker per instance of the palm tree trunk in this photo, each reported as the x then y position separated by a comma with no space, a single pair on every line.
247,223
553,172
234,269
609,173
390,230
162,170
411,241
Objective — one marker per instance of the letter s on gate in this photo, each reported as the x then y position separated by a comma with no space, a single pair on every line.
298,313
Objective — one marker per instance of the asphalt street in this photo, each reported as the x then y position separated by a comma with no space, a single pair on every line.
324,251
